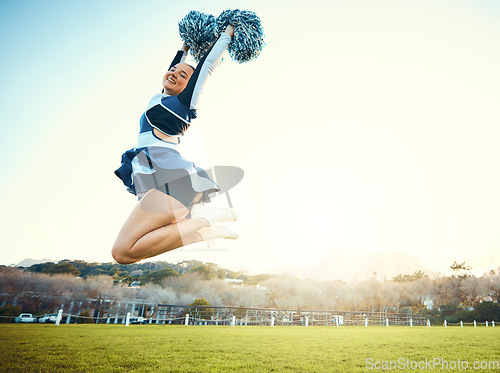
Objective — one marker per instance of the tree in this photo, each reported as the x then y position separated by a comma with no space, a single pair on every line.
97,272
9,310
415,276
418,275
157,277
62,268
487,311
40,267
461,270
205,271
448,310
200,309
240,312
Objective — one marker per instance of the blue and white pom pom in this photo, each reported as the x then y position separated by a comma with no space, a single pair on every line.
248,39
198,31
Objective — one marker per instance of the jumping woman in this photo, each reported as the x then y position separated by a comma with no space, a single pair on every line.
169,187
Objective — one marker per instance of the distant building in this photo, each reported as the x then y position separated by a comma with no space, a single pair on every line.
135,285
429,304
234,281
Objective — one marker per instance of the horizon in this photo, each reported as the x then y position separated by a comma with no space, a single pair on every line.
299,272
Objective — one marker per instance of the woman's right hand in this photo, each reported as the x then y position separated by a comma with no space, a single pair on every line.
229,30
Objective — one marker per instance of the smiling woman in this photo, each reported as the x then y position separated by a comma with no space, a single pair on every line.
177,77
170,187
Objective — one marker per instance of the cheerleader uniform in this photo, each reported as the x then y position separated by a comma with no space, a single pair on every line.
156,163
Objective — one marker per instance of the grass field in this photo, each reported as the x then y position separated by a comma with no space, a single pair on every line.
154,348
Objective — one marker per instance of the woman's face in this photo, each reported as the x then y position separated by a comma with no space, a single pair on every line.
176,79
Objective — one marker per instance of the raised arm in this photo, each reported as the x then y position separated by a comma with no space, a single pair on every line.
190,95
180,55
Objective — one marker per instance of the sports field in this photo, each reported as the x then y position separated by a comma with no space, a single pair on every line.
154,348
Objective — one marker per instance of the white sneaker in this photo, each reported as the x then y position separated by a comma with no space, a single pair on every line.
212,233
213,215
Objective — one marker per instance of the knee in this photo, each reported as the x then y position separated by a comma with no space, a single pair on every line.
121,256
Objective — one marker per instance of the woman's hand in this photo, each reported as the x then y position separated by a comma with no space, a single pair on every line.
229,30
185,47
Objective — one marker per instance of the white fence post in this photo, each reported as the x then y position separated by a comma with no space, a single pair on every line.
493,323
337,321
307,321
233,321
387,322
475,325
127,320
486,323
272,321
411,323
366,322
68,319
445,324
59,317
186,321
461,324
428,323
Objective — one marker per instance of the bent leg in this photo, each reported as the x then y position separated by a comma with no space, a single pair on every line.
170,237
150,229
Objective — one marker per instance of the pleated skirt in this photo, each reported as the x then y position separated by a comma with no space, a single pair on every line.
166,170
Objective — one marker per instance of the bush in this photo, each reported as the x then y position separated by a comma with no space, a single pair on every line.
463,315
9,310
487,311
62,268
201,309
84,317
205,271
448,310
158,276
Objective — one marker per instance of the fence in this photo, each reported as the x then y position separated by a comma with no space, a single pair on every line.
274,317
233,316
473,323
173,314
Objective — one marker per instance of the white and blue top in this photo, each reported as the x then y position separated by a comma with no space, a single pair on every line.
172,116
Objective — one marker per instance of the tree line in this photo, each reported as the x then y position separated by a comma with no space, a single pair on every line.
143,272
44,288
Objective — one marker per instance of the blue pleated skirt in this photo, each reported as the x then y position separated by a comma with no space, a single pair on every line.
164,169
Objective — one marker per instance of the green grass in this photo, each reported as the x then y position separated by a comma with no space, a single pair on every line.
154,348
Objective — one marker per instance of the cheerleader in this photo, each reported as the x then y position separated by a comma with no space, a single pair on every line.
169,187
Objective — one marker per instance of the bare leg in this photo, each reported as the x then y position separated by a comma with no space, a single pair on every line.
156,225
165,241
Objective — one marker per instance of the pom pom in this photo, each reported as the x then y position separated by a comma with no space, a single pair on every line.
248,39
198,31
